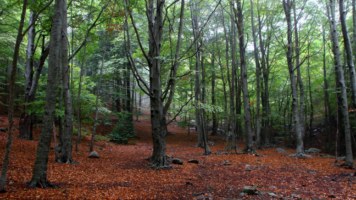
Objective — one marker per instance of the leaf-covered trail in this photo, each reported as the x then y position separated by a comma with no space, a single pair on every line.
122,172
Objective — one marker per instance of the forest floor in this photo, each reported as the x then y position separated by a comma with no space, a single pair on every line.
123,172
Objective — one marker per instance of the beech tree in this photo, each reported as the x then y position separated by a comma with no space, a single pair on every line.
11,97
57,60
287,6
340,84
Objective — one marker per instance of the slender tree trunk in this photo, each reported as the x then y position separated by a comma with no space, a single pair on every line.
39,67
299,74
227,58
128,89
340,86
311,114
79,102
224,89
97,93
202,111
213,95
11,99
198,71
354,26
26,118
39,176
349,53
231,145
326,85
250,147
287,5
265,84
66,145
258,76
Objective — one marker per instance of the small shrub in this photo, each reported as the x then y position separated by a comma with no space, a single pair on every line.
123,129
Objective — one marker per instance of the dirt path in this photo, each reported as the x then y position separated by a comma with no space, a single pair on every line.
122,172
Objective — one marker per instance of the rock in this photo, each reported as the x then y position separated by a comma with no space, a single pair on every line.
313,150
250,190
211,143
281,151
271,194
193,161
94,154
296,196
300,155
177,161
226,162
248,168
204,196
341,158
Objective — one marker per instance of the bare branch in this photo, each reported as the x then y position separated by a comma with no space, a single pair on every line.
88,32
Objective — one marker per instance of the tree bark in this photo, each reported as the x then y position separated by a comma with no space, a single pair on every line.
197,83
26,118
97,93
258,76
265,76
39,175
299,74
66,145
326,85
227,58
11,99
155,24
349,53
250,146
79,102
311,114
213,96
287,6
340,86
224,89
232,134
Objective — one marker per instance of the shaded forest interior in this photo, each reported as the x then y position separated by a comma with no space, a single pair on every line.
186,91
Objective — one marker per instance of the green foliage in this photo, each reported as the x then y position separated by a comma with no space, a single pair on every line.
123,129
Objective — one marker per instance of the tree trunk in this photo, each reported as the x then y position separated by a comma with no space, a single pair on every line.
66,145
26,118
354,26
349,53
128,89
326,85
155,25
79,102
299,74
97,93
258,76
199,113
227,58
311,114
224,89
39,176
340,86
232,134
250,147
213,97
287,5
202,112
11,99
265,75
